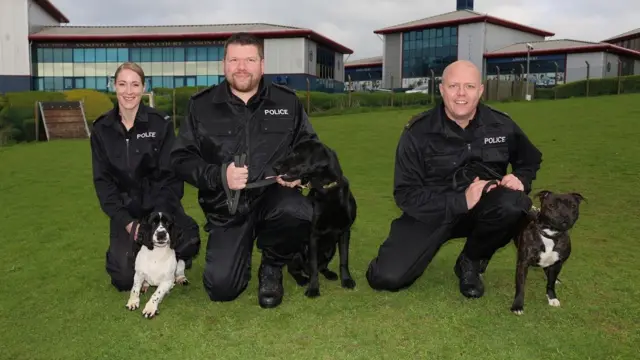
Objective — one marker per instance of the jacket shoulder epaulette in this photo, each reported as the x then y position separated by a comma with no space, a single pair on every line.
498,111
160,113
417,118
284,87
202,92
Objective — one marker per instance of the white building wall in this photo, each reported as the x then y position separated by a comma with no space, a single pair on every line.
38,17
577,68
636,67
338,71
14,38
471,43
498,37
610,65
310,54
285,56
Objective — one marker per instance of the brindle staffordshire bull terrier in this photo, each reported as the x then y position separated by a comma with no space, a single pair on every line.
544,242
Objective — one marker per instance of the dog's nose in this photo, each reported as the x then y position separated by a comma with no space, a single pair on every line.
162,234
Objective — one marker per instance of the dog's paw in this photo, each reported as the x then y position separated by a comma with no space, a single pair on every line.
517,309
329,275
312,292
554,302
133,303
348,283
150,310
182,280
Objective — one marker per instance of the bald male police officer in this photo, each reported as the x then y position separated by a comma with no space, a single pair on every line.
244,115
445,160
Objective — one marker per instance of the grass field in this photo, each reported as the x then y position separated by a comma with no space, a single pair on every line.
56,301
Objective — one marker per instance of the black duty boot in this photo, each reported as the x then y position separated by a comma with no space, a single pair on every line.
468,272
270,291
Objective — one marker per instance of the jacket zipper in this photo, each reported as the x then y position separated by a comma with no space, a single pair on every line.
128,165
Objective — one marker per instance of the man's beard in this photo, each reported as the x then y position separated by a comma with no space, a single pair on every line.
247,84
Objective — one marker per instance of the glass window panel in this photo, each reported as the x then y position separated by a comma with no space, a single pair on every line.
79,83
136,55
49,84
68,83
439,32
213,80
178,81
101,55
167,81
432,33
454,31
212,54
90,55
202,54
67,55
40,54
123,55
101,83
156,55
57,55
90,82
78,55
167,54
112,55
58,83
178,54
418,35
40,83
201,80
191,54
156,81
145,55
191,81
446,31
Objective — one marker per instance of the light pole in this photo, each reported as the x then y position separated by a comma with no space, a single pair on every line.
526,84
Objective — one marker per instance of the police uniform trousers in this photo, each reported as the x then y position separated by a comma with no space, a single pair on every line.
122,251
280,224
412,244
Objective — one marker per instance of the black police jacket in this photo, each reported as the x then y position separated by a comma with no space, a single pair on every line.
219,125
131,169
435,164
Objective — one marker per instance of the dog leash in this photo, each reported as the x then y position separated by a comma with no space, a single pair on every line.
233,196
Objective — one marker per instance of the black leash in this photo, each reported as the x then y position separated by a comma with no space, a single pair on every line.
233,196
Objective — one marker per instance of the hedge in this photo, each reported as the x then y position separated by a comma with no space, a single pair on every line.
596,87
16,117
95,103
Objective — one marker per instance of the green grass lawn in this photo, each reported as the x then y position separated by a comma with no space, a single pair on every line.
56,301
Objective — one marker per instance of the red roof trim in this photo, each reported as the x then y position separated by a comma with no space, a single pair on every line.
572,50
469,20
209,36
623,38
369,64
50,9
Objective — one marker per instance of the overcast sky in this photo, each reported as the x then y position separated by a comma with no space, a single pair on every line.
352,22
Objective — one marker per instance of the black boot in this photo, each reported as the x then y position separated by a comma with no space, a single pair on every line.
270,291
468,272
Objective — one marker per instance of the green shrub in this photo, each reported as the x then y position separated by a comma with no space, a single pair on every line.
606,86
95,104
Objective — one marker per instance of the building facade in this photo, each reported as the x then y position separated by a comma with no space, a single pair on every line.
72,57
554,62
629,40
363,74
415,51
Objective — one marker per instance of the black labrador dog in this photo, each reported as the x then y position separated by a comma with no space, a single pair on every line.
334,212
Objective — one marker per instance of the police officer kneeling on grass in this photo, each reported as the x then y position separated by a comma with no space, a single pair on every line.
231,137
451,181
130,146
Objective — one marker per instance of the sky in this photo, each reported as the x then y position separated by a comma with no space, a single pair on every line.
352,22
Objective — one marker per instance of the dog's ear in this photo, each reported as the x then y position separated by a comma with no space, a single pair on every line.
543,194
145,235
579,198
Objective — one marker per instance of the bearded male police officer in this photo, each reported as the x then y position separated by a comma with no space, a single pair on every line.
244,116
445,160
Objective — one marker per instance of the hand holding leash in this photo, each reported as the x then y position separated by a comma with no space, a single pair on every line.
478,188
237,176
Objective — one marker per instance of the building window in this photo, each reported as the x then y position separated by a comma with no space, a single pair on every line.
428,49
325,63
